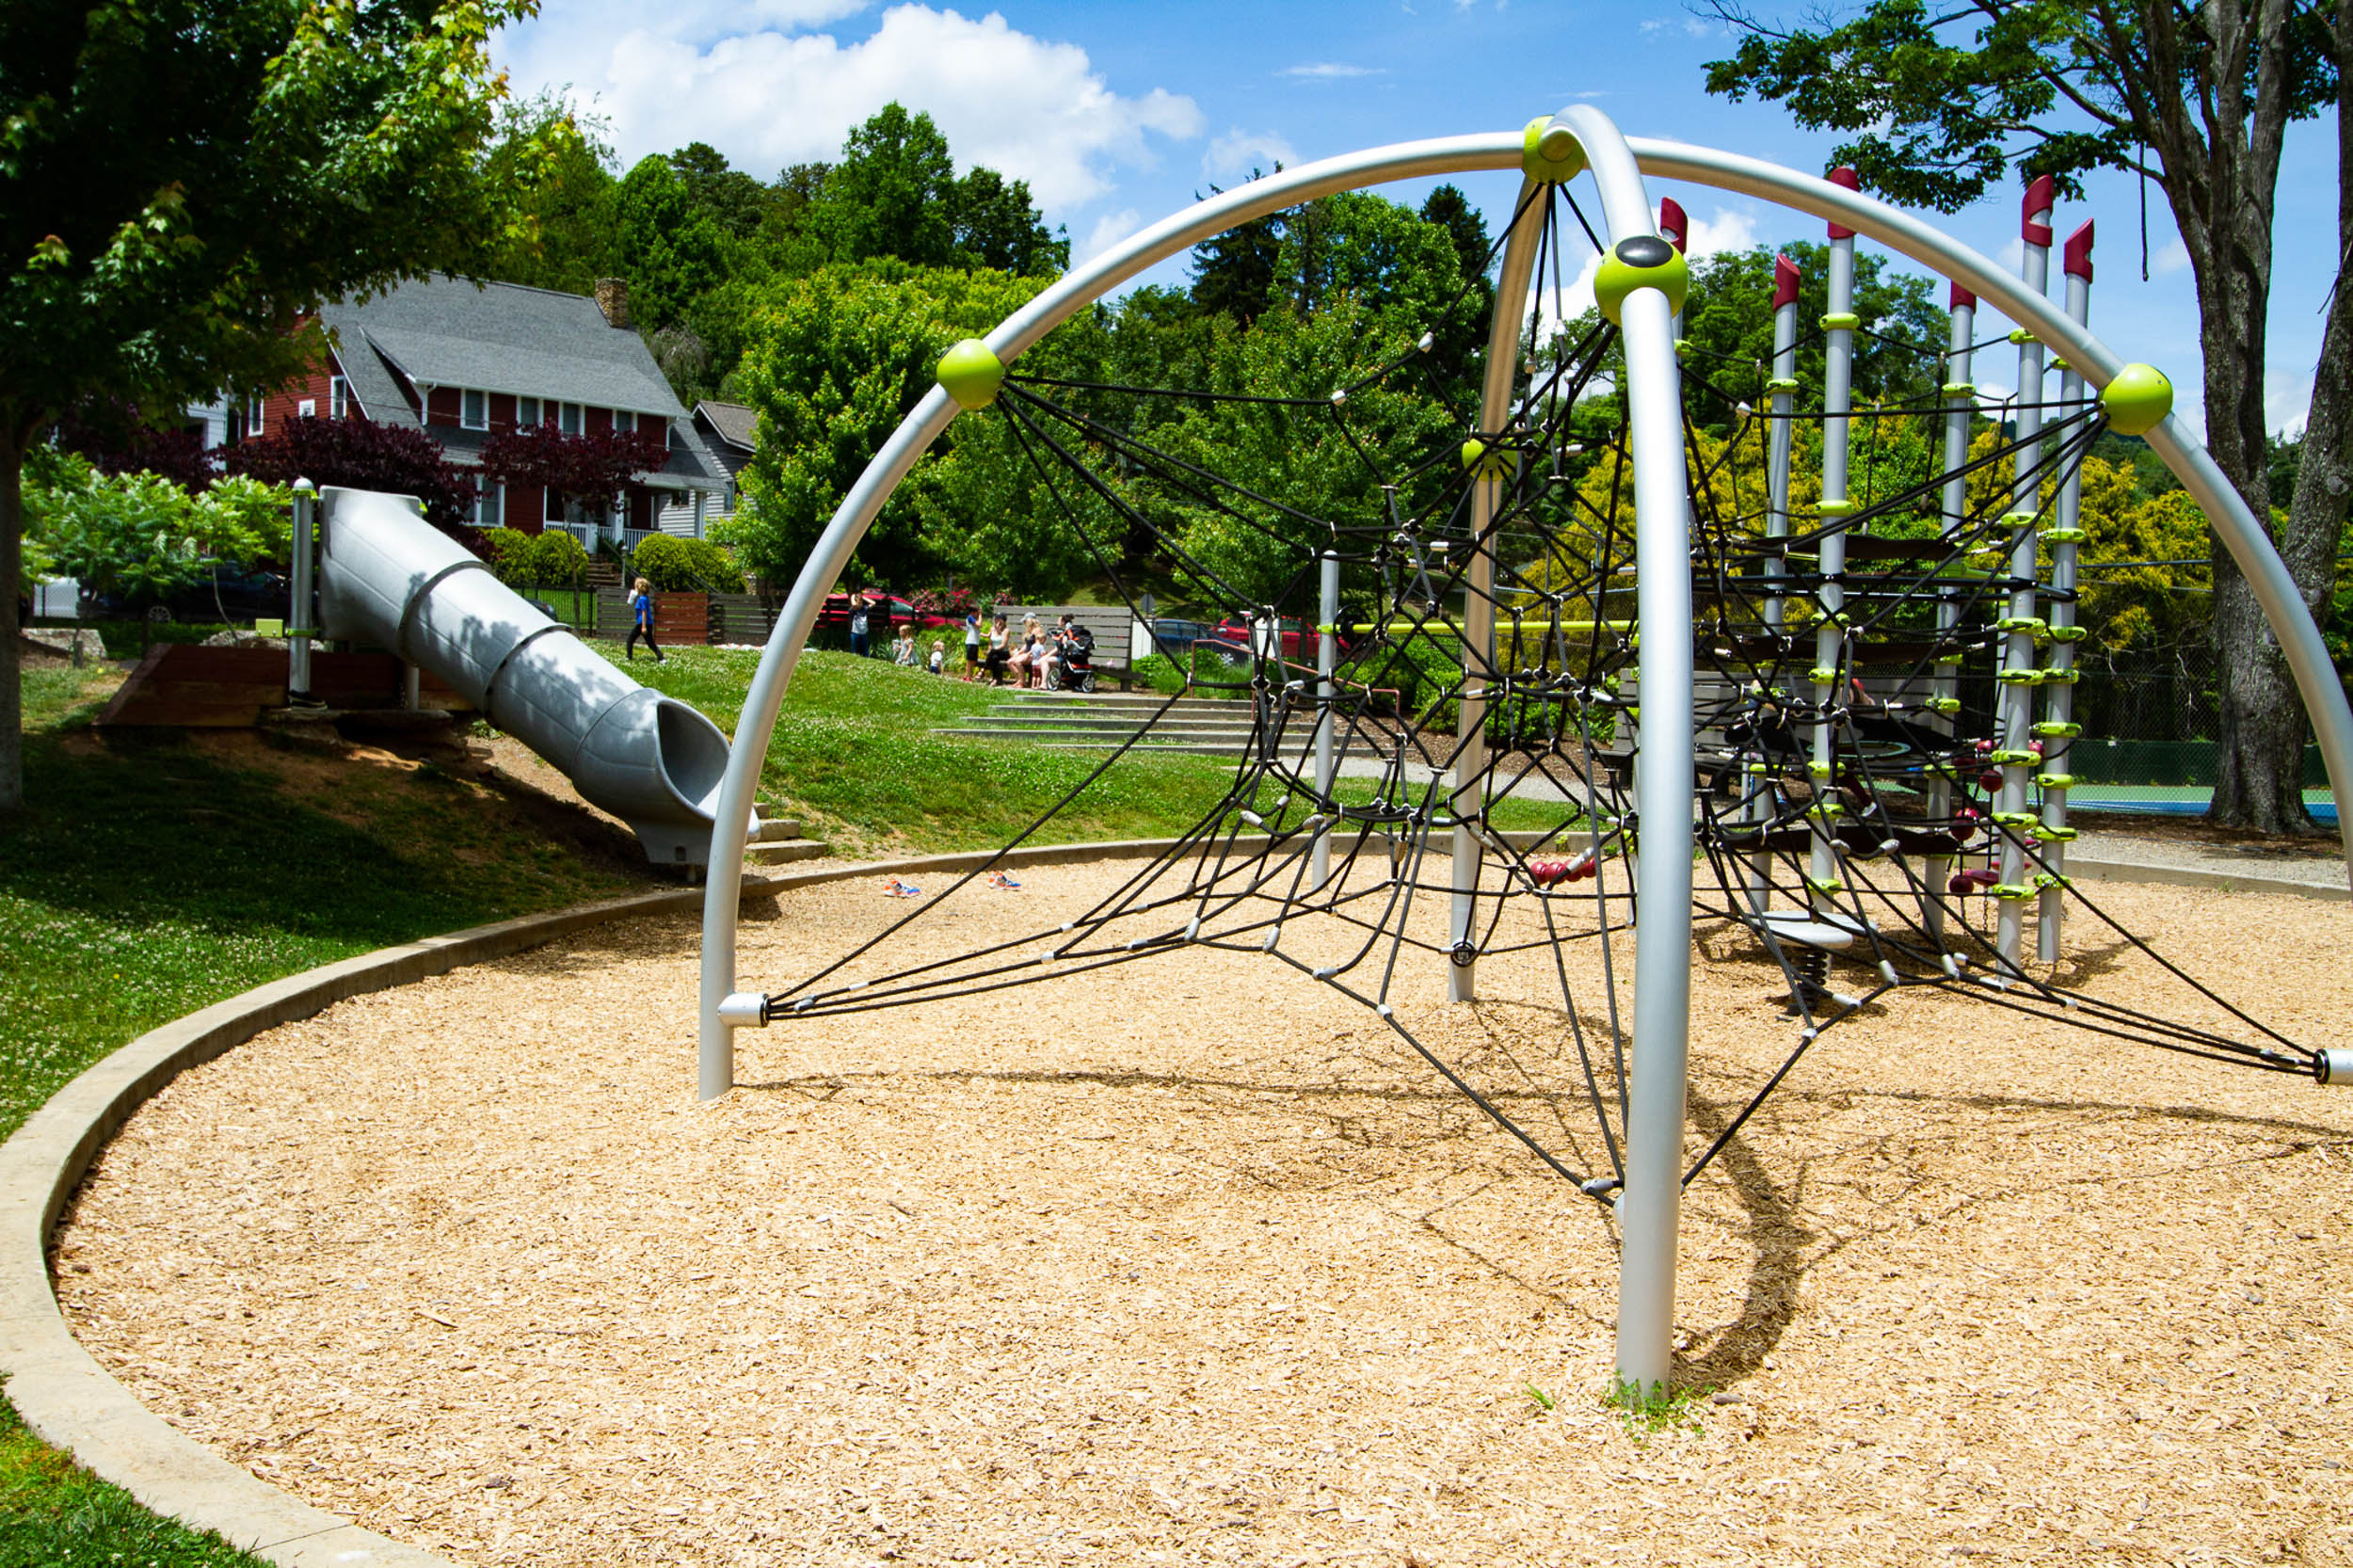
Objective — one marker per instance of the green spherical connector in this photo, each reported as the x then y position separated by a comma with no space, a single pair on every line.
1479,463
2137,400
1641,262
971,372
1550,152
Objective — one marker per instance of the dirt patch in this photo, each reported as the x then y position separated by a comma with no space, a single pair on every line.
1191,1260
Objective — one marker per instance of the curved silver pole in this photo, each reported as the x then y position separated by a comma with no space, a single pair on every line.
1650,1210
1479,611
2247,540
722,1010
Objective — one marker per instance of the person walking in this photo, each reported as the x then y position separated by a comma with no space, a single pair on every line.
641,622
972,645
903,648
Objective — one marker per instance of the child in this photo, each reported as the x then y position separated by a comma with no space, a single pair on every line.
641,622
939,658
903,650
972,645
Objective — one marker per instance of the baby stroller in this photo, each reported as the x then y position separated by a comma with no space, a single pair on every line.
1075,670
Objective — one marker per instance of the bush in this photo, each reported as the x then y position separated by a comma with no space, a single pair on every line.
554,557
505,549
685,566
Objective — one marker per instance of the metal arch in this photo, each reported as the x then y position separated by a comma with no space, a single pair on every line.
2248,539
1650,1207
716,1058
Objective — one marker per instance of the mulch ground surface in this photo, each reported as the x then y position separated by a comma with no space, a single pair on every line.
1193,1260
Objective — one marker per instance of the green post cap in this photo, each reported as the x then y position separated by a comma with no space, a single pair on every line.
1481,463
2137,400
971,372
1550,152
1641,262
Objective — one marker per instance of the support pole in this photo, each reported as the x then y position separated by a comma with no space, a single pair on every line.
1650,1206
1961,406
2059,708
1830,635
2017,697
1757,797
302,611
1494,416
1327,660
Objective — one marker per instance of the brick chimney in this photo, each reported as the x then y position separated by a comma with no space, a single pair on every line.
613,300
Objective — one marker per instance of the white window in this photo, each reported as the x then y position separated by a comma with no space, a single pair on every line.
254,415
308,407
473,411
489,506
570,421
526,410
338,396
624,419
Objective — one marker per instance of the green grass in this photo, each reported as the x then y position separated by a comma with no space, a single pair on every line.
854,758
55,1514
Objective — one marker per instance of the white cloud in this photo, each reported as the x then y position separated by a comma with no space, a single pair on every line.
1555,307
2287,400
2171,257
1326,70
1726,229
1239,152
1689,26
740,75
1108,231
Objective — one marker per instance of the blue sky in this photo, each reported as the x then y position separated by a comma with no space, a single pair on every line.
1119,113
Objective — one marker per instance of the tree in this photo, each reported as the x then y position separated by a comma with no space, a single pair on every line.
587,470
559,167
398,459
184,181
892,194
1940,106
1233,273
672,252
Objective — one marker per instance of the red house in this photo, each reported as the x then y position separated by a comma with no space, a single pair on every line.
462,360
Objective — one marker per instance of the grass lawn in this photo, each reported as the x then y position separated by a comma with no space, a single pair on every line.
854,757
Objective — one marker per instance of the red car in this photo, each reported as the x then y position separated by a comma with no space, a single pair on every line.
1299,638
886,613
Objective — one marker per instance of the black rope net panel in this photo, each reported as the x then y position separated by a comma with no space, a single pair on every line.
1905,806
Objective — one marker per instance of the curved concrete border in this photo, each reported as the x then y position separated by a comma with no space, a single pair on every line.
74,1403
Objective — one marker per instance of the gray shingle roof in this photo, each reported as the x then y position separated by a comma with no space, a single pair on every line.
501,338
731,422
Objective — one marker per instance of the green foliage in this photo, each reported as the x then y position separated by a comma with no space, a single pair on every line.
560,168
675,249
1945,101
840,358
895,193
686,566
143,537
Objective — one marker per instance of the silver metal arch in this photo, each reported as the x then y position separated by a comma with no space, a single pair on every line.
1650,1212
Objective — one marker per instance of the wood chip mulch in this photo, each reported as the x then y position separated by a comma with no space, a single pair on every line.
1191,1260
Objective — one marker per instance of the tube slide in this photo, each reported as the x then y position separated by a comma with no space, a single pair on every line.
389,578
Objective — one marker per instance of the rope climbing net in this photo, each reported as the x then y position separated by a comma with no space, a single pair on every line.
1444,678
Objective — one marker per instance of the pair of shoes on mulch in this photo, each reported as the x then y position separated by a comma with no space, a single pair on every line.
894,887
1002,882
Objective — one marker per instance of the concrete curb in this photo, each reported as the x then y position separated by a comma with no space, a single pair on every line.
74,1403
2191,876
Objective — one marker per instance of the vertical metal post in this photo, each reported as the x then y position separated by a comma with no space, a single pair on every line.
301,615
2017,699
2060,709
1961,404
1650,1206
1470,729
1781,402
1327,660
1830,634
1675,229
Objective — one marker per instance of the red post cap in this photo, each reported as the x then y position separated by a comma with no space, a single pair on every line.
2040,196
1964,299
1672,222
1785,282
1849,180
2077,258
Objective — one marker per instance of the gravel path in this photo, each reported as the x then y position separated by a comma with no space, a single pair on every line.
1191,1261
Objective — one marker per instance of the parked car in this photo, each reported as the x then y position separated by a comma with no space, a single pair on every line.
231,592
888,614
1299,636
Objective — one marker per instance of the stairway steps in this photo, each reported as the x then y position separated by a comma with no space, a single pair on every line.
785,852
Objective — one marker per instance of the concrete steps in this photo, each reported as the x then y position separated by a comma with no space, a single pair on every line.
777,841
1200,726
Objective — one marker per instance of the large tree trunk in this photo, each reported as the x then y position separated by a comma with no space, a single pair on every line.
11,577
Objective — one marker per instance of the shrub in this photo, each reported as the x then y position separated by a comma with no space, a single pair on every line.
505,549
401,459
554,557
684,566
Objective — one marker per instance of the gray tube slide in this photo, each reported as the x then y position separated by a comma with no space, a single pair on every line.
389,578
